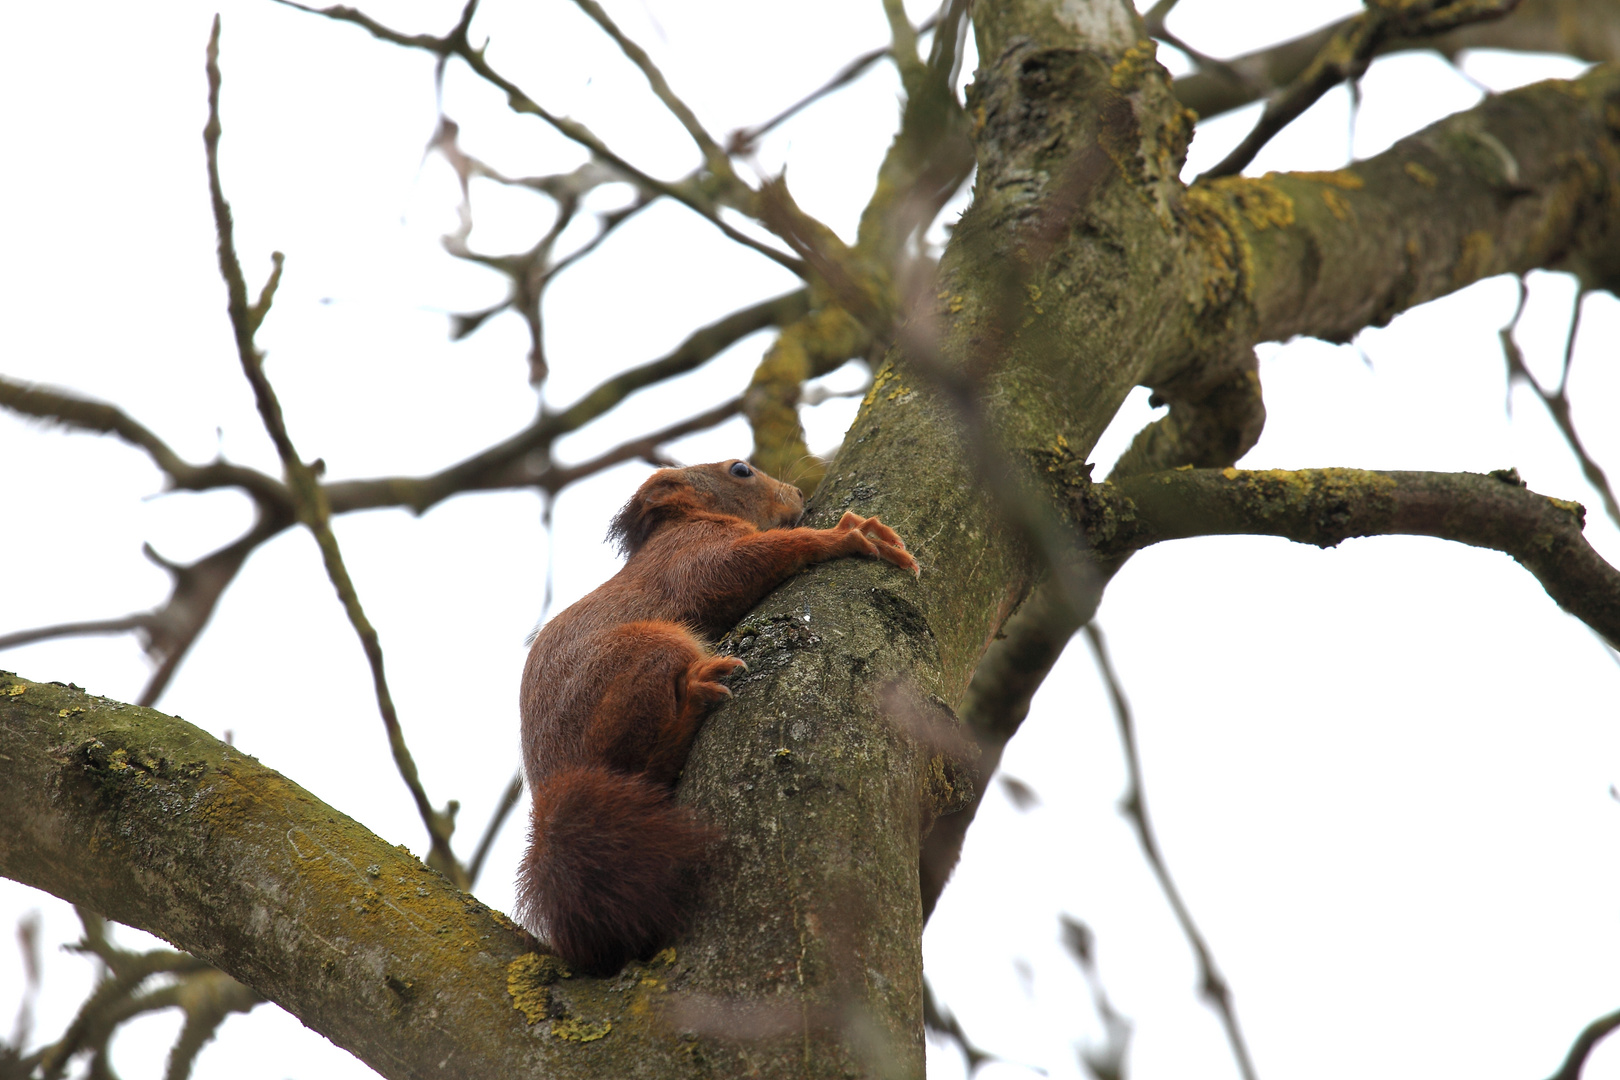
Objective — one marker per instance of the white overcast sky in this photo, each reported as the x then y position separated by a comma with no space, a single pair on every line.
1381,773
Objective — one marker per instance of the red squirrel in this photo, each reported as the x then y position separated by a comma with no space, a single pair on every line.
617,686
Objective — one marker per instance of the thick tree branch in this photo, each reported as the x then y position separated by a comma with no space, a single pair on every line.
1527,179
1320,507
1326,506
154,823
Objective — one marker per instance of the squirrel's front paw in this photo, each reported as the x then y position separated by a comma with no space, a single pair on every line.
890,548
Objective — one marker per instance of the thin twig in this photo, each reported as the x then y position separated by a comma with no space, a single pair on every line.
941,1020
509,463
456,44
82,414
715,157
1557,401
644,447
1212,986
1153,21
903,46
1346,55
1589,1037
743,139
140,621
503,810
1106,1062
205,995
313,510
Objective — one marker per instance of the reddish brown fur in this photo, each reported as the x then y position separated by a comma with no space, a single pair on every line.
617,686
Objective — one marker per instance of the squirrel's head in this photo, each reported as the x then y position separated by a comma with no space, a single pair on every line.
733,488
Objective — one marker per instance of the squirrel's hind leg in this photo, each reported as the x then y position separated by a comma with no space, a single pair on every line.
665,682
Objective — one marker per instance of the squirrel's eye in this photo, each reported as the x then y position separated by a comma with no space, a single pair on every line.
740,469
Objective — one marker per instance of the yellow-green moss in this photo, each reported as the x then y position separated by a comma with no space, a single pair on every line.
1212,224
528,982
581,1030
1293,489
1474,260
1259,200
1420,174
1340,178
1134,66
884,376
1338,205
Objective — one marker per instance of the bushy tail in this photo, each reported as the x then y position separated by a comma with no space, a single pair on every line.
610,870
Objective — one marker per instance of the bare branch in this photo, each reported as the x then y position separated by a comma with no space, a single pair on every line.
717,160
312,507
503,810
456,44
1106,1062
115,999
208,998
742,141
169,631
903,46
1493,189
1326,506
1586,29
523,460
995,706
1213,430
81,414
531,272
645,447
76,629
28,944
1557,401
1346,56
1590,1036
1133,804
941,1020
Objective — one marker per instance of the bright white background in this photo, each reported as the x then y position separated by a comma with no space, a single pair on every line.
1380,773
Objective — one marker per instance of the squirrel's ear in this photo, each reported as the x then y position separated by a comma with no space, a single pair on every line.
635,521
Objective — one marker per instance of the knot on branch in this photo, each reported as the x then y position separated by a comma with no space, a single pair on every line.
1105,517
